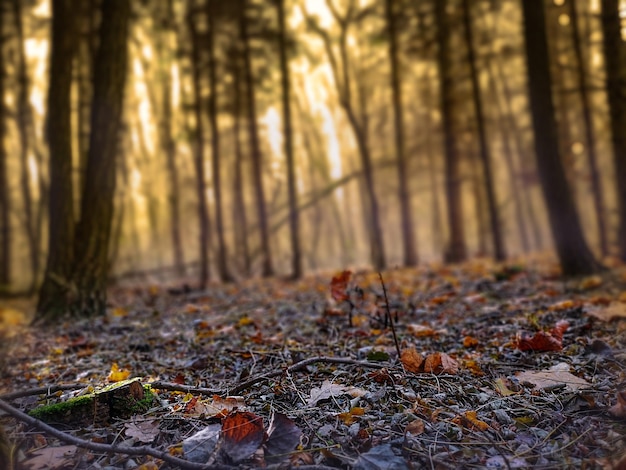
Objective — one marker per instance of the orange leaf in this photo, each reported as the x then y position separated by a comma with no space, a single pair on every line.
242,434
470,342
411,360
440,363
339,286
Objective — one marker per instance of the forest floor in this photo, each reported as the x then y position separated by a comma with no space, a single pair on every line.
502,366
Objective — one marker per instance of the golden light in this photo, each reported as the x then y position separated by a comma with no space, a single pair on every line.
563,19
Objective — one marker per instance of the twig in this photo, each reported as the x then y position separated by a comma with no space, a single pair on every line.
40,390
388,313
301,365
109,449
182,388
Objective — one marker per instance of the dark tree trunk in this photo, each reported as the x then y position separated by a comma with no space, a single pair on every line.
615,60
56,286
574,254
499,250
456,250
294,220
5,200
222,257
23,111
93,231
165,17
203,208
85,50
404,196
589,134
255,146
239,207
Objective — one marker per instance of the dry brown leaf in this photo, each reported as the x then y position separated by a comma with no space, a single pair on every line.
440,363
411,360
613,311
619,409
556,375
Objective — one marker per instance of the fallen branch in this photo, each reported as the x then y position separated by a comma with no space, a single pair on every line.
107,448
39,391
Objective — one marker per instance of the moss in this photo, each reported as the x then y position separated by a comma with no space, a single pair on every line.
85,407
55,410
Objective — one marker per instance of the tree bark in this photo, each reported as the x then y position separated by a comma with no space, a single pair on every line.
93,231
294,220
572,249
5,200
203,208
615,60
589,133
404,196
222,257
56,286
255,147
456,250
499,250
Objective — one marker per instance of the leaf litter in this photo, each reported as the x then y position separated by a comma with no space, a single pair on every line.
498,366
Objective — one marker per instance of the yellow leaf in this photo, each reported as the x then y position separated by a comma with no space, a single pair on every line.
502,388
117,374
120,312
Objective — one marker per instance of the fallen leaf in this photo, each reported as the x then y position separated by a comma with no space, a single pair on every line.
420,330
50,458
411,360
543,340
339,286
502,387
556,375
117,374
380,458
415,427
282,438
200,447
330,389
143,431
440,363
470,342
242,434
619,409
470,420
613,311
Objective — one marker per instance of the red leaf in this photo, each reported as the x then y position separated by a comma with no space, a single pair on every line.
339,286
544,341
242,434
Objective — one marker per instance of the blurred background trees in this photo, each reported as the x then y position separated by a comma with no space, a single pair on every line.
265,137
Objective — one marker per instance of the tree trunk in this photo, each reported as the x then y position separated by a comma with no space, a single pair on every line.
589,134
615,59
22,128
239,206
56,285
404,196
93,231
294,221
165,16
574,254
255,146
5,200
203,208
222,265
499,250
456,250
